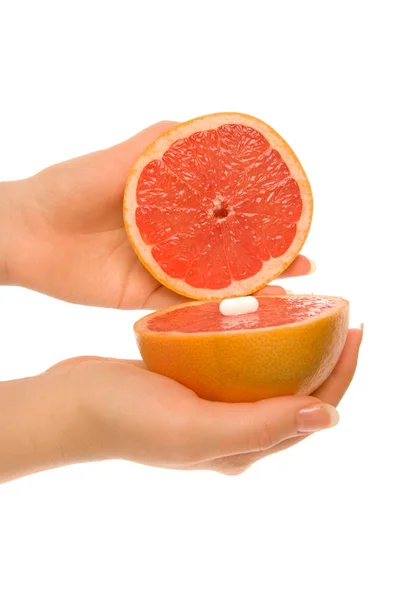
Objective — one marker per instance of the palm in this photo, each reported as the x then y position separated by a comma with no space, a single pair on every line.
79,233
82,251
93,263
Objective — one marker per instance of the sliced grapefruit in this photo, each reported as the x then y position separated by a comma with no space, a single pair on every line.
218,206
290,345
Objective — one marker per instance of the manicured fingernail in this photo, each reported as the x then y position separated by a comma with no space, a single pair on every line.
316,417
313,267
362,330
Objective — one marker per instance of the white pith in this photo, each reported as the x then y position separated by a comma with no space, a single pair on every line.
272,267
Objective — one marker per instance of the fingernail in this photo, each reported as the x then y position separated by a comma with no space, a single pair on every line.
289,292
313,267
317,417
362,330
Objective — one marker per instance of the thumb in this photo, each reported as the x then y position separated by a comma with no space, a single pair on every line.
128,150
103,173
253,427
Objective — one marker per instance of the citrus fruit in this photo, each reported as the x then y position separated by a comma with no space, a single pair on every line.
218,206
290,345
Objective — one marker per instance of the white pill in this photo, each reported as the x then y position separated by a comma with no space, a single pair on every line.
230,307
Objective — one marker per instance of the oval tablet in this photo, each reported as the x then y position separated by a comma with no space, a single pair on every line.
230,307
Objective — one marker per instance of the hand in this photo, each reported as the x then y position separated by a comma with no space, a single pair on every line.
144,417
91,408
66,237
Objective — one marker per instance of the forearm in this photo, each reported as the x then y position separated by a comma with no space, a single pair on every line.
39,427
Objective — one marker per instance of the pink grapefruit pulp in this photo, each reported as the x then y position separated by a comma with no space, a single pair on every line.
218,206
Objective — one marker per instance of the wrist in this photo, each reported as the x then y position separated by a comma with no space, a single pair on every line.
40,426
11,225
5,228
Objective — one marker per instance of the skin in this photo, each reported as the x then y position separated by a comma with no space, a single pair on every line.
61,233
67,222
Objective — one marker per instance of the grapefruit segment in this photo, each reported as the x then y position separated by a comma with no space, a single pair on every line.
177,264
194,160
152,219
258,179
290,345
218,206
161,188
209,268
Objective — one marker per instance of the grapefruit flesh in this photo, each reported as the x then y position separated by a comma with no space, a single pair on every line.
289,346
218,206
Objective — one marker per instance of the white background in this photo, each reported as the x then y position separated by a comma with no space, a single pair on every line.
320,520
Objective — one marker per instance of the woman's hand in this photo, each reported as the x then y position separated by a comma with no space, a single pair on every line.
90,408
62,233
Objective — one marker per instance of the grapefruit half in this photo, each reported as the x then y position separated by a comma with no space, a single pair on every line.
289,346
218,206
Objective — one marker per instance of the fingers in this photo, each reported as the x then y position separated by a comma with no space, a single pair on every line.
127,151
164,298
237,464
112,165
271,290
331,392
300,266
334,388
100,176
275,427
256,427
